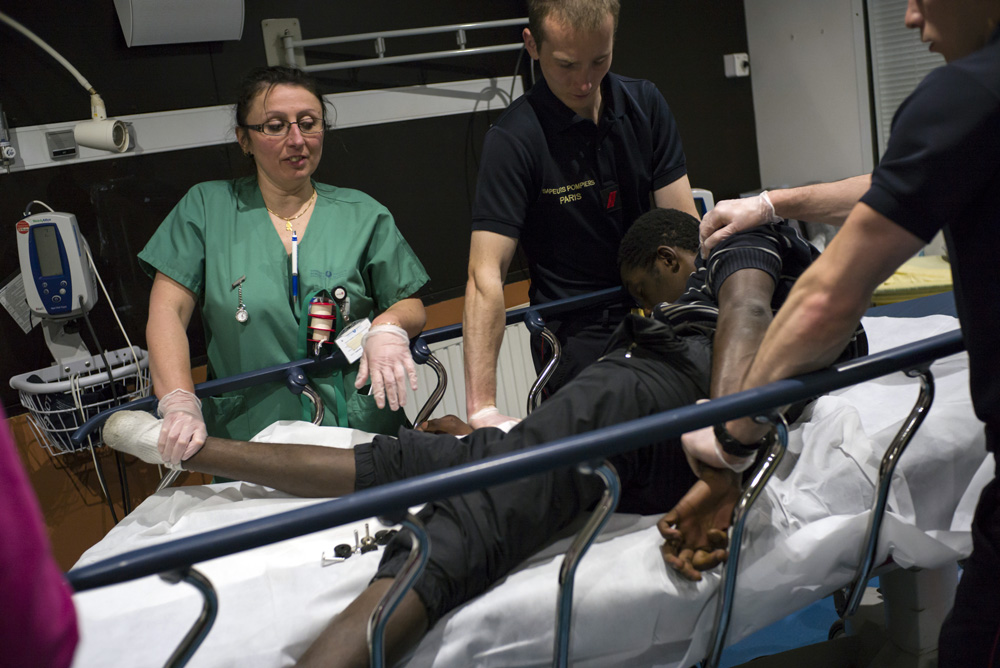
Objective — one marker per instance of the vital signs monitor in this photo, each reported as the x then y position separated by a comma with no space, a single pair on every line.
58,279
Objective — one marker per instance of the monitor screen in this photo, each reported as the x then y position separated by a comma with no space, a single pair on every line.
47,246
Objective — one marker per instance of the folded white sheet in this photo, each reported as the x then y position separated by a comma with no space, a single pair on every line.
804,541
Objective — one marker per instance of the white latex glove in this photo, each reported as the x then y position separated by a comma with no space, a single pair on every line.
701,446
386,358
734,215
492,417
183,430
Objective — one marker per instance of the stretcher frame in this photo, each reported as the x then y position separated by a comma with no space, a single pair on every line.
587,451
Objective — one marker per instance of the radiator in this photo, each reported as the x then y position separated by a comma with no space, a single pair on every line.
515,374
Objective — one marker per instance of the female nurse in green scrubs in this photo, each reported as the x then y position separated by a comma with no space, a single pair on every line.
227,247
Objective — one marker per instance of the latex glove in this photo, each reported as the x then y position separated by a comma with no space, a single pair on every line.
386,358
492,417
183,430
734,215
701,447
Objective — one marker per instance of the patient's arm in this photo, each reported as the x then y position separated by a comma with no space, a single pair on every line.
694,530
744,316
826,303
303,470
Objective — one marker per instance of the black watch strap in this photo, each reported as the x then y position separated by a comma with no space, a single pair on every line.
736,448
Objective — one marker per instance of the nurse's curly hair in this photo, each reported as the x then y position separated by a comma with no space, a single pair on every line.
586,15
266,78
655,228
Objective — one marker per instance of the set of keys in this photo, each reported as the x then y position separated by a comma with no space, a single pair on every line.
364,544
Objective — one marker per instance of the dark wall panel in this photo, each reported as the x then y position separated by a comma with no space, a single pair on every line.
678,45
424,171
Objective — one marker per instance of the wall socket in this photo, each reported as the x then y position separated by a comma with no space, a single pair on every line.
736,65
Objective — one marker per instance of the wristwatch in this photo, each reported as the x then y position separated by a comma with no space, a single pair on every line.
736,448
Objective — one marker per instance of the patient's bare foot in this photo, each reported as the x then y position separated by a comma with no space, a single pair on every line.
694,531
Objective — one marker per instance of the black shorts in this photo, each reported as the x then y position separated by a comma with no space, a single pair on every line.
479,537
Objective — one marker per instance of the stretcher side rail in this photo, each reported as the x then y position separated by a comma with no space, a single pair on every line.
536,326
761,476
887,466
569,451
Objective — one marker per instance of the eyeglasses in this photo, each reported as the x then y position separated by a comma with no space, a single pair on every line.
279,128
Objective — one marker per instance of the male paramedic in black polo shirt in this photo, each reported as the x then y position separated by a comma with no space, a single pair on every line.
941,170
565,170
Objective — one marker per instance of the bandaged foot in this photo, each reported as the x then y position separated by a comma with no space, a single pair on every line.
136,433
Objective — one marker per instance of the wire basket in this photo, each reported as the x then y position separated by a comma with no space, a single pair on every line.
62,397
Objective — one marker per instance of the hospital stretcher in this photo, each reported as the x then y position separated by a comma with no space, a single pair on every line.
804,537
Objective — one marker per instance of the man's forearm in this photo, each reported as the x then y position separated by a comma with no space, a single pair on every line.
828,203
482,335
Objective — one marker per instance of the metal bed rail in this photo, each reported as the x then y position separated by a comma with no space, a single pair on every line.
395,498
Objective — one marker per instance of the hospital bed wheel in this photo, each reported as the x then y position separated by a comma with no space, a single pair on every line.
837,629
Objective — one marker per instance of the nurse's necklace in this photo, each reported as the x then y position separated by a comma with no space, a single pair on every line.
288,221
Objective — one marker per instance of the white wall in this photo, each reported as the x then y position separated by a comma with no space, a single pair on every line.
810,89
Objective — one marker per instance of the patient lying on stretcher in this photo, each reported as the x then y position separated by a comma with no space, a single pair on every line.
653,364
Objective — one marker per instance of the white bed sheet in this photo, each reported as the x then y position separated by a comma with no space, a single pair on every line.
804,541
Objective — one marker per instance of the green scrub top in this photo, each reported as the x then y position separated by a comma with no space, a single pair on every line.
221,231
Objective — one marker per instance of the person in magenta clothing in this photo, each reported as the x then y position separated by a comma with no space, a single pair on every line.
38,626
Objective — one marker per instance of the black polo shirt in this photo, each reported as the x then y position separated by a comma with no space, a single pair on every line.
567,188
942,169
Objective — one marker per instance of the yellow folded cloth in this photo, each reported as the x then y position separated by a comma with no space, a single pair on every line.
918,277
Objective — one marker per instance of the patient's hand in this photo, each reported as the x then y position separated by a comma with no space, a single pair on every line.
449,424
694,531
